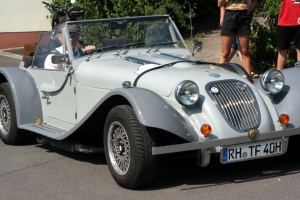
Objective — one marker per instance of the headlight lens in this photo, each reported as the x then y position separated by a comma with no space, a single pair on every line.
187,93
272,81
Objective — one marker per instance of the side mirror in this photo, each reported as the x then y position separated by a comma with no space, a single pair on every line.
58,59
197,47
27,61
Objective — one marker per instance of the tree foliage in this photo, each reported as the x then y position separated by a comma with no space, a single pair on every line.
263,48
94,9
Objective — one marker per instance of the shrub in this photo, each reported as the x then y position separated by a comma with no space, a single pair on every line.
263,47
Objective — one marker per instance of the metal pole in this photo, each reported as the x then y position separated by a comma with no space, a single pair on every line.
190,19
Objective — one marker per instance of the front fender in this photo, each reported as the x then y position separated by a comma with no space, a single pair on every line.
153,111
25,94
287,101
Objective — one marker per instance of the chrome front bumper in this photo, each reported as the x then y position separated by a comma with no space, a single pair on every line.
223,142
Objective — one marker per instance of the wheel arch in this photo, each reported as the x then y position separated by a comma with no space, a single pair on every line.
25,94
151,111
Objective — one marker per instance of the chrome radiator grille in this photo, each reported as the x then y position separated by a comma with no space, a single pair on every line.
236,102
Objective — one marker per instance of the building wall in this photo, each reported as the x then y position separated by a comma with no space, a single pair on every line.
22,21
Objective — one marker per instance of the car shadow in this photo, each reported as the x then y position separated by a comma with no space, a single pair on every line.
185,171
98,159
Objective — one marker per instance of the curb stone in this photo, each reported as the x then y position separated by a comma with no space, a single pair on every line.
12,52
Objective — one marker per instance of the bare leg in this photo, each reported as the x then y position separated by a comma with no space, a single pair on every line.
282,58
244,44
226,46
240,55
232,53
298,54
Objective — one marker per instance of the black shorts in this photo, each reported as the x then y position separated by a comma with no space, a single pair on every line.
285,35
236,22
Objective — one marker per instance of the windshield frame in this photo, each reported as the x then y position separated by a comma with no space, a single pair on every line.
175,32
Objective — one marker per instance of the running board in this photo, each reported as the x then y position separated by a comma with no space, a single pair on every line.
44,129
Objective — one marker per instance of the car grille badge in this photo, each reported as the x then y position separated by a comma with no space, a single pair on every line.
253,133
215,90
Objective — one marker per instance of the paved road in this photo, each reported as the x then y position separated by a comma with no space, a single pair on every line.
9,61
37,171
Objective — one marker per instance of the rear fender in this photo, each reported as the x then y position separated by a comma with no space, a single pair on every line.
25,94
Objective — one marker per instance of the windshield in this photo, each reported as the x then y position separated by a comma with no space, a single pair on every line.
128,33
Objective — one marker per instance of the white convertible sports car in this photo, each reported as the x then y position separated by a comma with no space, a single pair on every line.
141,94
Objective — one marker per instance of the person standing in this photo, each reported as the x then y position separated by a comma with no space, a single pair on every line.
236,23
288,28
235,45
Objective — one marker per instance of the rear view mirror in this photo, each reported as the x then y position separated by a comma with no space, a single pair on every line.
58,59
117,25
197,47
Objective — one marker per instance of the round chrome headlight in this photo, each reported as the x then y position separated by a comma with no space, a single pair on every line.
187,93
272,81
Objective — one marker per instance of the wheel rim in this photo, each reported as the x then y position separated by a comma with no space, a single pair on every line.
118,148
4,115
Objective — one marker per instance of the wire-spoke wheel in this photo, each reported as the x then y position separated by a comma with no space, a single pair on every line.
128,148
9,132
118,148
4,115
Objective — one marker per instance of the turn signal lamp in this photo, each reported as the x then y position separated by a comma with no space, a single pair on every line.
284,119
205,129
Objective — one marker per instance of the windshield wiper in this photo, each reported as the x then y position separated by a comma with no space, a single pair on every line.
159,44
132,44
100,49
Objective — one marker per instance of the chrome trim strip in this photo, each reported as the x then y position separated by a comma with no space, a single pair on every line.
139,61
165,55
223,142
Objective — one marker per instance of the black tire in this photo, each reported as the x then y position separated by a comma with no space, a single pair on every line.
9,132
131,140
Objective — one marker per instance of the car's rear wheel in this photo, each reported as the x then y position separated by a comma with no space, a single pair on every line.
128,148
9,132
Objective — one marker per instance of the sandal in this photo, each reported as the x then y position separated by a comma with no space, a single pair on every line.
254,76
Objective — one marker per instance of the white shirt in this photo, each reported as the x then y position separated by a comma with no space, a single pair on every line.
50,65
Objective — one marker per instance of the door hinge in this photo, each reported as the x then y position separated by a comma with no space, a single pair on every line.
74,90
76,115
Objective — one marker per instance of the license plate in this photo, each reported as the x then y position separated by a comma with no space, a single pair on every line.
251,151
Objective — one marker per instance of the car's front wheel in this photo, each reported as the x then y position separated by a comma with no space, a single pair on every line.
9,132
128,148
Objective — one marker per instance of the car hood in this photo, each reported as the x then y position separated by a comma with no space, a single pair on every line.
109,71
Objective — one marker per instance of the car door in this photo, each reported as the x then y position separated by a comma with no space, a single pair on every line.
56,87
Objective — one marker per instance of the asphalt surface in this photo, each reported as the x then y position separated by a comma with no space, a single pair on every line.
36,171
6,61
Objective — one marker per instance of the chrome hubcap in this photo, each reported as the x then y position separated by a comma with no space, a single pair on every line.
118,148
4,115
